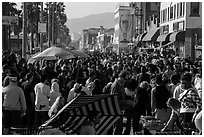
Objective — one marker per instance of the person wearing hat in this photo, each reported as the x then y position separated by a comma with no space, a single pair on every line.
13,106
118,88
191,103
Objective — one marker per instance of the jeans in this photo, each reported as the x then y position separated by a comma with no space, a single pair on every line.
41,117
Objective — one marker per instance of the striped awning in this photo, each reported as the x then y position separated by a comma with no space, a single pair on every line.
164,37
151,35
73,114
177,36
140,37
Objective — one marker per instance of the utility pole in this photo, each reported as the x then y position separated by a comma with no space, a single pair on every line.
24,30
49,24
41,19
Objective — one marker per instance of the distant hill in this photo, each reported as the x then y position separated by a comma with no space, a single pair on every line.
95,20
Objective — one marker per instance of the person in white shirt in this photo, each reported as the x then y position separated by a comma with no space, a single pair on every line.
42,95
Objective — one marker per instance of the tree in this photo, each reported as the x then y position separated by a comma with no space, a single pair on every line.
8,9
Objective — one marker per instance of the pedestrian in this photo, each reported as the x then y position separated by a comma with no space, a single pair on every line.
159,96
54,93
191,103
118,88
29,93
42,95
13,106
140,105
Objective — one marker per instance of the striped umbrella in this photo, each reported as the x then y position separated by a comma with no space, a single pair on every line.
73,114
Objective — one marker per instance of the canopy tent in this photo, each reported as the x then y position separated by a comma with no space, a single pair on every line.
54,53
73,114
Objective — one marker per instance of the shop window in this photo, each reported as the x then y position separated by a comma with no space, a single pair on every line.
171,12
194,10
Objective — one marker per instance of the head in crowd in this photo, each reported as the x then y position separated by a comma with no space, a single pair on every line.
29,77
131,84
175,79
44,78
144,85
186,79
124,74
55,87
77,87
143,69
94,116
13,78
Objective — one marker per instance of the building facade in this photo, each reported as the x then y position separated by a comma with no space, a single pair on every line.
124,28
181,28
105,39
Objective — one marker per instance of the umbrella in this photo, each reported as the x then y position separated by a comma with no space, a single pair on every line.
73,114
32,60
55,52
81,54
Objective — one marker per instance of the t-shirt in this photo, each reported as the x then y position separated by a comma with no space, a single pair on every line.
42,93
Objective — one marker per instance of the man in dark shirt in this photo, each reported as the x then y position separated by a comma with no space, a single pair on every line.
159,96
29,93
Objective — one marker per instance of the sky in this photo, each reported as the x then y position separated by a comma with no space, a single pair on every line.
85,8
81,9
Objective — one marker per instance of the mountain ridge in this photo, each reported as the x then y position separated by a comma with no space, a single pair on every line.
76,25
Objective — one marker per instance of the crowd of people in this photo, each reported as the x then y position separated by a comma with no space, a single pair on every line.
145,84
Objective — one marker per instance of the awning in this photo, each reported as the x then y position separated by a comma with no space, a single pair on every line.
74,113
164,37
177,36
140,37
166,45
151,35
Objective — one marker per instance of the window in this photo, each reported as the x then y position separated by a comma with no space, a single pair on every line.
161,16
181,9
168,13
174,11
171,12
178,7
164,16
194,10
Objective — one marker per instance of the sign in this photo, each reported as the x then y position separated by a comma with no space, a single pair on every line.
41,27
8,20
